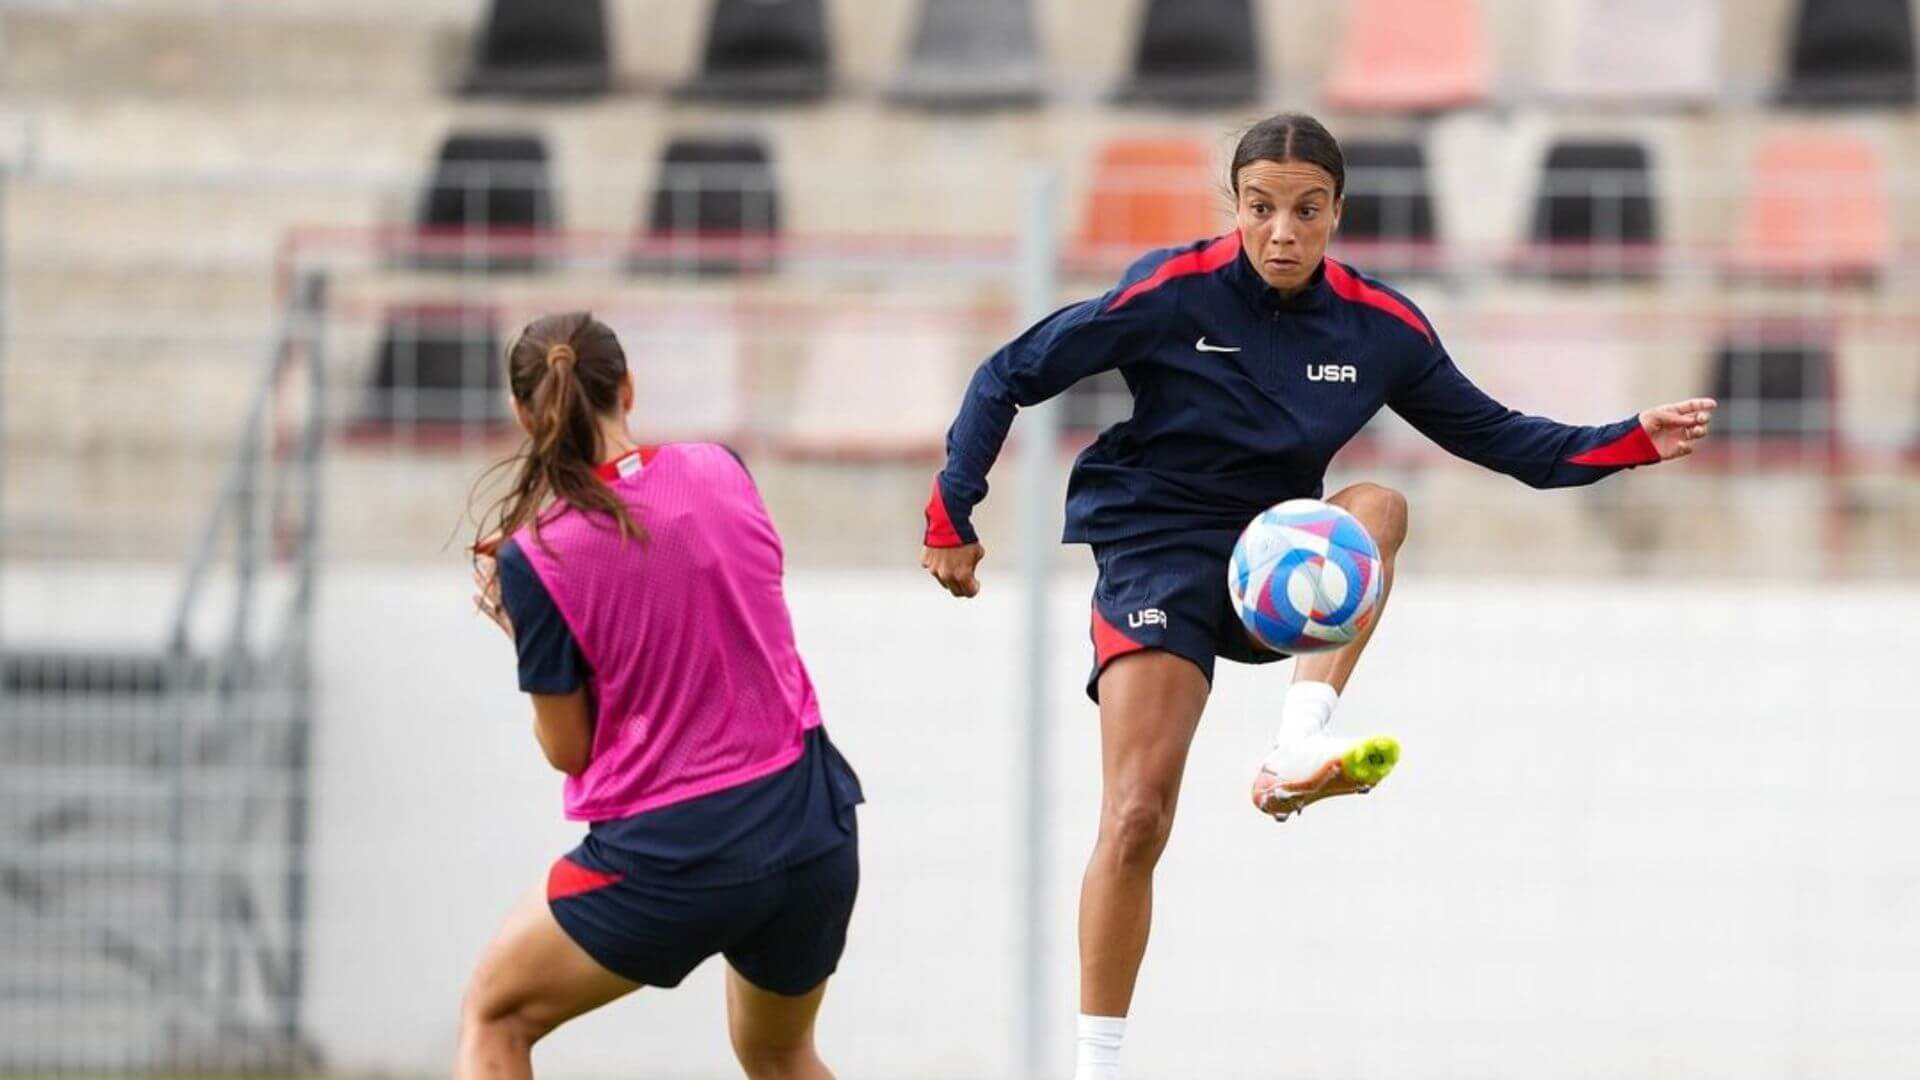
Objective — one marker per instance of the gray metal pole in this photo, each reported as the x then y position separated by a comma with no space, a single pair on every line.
6,178
1039,435
313,306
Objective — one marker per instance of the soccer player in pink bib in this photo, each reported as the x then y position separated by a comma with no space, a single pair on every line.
642,590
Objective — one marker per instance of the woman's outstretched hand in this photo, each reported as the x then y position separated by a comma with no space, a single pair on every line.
1675,428
953,567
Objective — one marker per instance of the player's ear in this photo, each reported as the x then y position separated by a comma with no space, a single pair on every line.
626,393
1339,208
519,414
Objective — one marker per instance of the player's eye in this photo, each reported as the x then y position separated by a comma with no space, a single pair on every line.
1261,209
1308,213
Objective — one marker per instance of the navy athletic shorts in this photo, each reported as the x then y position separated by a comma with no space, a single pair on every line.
783,932
1168,591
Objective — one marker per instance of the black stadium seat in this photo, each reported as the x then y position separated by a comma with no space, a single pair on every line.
764,51
715,207
1774,386
1388,223
1594,213
972,54
438,365
1195,54
489,204
1852,52
542,48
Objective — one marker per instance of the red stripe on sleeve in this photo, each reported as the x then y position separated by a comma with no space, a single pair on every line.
1349,287
569,878
940,530
1634,448
1210,258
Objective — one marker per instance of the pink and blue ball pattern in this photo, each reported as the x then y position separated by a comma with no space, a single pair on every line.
1304,577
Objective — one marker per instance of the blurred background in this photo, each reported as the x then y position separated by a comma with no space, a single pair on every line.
266,785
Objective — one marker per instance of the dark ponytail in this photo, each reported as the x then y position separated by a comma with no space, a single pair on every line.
1288,137
565,372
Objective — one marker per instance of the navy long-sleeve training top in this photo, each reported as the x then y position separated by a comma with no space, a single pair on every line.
1241,397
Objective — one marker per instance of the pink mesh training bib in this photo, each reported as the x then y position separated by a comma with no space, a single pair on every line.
696,683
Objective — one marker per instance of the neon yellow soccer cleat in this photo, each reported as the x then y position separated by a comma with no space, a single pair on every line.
1305,770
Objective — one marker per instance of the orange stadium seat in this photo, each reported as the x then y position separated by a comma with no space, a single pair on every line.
1150,192
1817,206
1410,56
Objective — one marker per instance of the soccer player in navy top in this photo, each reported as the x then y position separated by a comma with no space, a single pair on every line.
1252,359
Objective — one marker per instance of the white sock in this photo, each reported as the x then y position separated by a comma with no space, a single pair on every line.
1307,710
1098,1040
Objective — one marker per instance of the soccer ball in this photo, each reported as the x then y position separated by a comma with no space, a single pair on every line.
1304,577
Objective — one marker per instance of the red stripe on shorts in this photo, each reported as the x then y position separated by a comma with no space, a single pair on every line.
569,878
1109,642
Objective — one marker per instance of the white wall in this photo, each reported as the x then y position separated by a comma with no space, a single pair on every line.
1639,830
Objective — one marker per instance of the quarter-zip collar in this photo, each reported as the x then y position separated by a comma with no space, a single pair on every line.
1251,287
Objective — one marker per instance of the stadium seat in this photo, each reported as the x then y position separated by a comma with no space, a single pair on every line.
1774,384
1851,52
689,371
1634,51
1594,213
972,54
1410,56
1194,54
488,205
1150,192
715,208
542,48
438,365
1388,222
877,382
1817,206
763,51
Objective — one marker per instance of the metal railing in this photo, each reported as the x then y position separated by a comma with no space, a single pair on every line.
153,806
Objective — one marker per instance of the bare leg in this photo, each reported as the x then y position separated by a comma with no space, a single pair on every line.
1150,704
773,1033
531,979
1384,512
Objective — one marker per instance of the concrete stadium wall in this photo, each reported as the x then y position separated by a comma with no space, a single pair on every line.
1640,830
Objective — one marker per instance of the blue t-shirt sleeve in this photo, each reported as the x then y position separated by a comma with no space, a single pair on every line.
550,658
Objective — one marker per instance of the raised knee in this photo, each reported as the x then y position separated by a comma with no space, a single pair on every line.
1136,828
1382,510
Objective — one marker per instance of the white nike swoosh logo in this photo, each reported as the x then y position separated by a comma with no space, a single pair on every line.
1204,347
